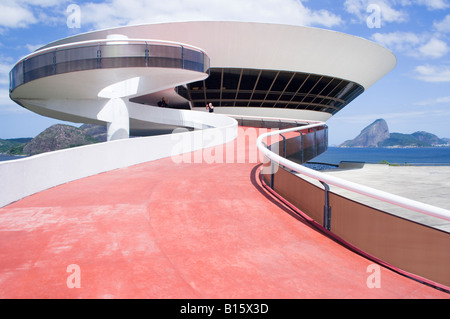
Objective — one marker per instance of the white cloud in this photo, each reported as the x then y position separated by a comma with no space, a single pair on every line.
23,13
33,47
412,44
7,106
126,12
41,3
14,16
4,73
439,100
429,73
4,96
434,48
445,99
389,14
398,41
444,25
434,4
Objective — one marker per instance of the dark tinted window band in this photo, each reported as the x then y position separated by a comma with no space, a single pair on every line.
82,57
275,89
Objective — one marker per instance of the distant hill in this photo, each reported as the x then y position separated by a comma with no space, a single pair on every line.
370,136
430,138
377,135
56,137
403,140
13,146
96,131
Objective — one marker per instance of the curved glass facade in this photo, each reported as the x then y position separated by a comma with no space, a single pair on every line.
124,54
228,87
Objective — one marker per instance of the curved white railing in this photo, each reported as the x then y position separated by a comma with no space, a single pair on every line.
350,186
47,59
112,41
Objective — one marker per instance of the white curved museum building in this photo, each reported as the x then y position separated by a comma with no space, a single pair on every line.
117,76
288,76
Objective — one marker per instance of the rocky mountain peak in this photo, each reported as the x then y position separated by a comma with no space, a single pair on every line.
370,136
58,136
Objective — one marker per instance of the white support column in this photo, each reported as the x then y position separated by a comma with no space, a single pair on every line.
115,113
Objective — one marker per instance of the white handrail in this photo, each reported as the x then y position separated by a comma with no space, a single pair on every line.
351,186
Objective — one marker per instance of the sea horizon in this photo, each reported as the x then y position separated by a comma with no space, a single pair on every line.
6,157
373,155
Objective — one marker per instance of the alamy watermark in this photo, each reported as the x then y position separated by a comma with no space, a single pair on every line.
73,16
374,18
211,146
74,279
374,279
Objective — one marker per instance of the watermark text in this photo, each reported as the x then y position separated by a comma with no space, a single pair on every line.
74,279
374,279
374,18
74,16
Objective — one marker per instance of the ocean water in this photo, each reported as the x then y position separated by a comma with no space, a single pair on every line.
418,156
8,157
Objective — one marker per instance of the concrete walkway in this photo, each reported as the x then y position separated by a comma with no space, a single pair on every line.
187,230
426,184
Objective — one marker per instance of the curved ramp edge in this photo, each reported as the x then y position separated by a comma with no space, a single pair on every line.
23,177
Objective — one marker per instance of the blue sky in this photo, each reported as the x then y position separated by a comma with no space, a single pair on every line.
415,96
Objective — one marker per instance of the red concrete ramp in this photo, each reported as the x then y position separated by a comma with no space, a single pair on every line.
186,230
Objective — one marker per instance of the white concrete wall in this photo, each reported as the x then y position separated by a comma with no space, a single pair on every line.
271,112
24,177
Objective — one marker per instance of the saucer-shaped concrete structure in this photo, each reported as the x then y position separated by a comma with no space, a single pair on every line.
253,69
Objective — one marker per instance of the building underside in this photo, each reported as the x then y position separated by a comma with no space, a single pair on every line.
229,87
